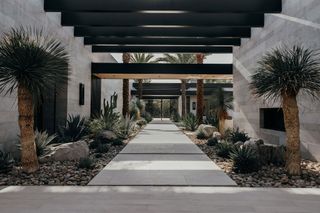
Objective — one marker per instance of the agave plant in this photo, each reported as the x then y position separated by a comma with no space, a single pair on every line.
190,122
245,159
30,64
74,129
110,117
6,162
42,140
281,75
236,135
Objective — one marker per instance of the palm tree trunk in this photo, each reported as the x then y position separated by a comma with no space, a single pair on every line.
221,125
29,158
183,97
200,101
140,85
125,87
125,97
292,124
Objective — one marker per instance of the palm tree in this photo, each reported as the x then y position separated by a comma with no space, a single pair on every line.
281,75
142,58
200,91
30,63
219,104
180,59
125,87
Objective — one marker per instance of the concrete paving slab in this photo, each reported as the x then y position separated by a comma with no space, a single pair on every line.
126,199
163,148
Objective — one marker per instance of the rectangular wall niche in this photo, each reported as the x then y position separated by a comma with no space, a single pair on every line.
272,118
81,94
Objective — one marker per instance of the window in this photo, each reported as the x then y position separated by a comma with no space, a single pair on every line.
272,118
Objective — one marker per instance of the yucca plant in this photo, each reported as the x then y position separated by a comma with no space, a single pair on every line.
224,149
281,75
126,127
31,64
245,159
190,122
74,129
236,135
43,140
6,162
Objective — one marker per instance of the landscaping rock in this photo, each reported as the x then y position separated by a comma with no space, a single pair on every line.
67,152
208,130
238,144
107,135
250,143
216,135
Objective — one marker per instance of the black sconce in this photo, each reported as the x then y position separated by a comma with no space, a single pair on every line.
194,105
81,94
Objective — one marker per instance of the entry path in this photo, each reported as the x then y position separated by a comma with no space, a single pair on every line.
161,155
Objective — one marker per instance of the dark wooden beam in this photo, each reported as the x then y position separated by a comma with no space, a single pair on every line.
244,32
117,68
162,41
161,49
218,6
162,19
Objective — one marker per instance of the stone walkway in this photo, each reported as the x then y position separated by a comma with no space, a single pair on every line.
161,155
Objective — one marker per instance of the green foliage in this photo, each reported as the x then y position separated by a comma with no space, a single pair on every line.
287,71
102,148
190,122
181,58
211,119
126,127
6,162
30,59
96,125
212,142
109,117
142,122
135,111
147,116
236,135
245,159
224,149
201,135
42,140
117,142
86,163
74,129
95,143
175,116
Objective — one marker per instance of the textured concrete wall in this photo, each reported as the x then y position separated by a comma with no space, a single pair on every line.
299,23
15,13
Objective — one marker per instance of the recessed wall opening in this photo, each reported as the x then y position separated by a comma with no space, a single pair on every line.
272,118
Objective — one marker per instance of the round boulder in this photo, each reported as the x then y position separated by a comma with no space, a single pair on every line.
208,130
107,135
217,135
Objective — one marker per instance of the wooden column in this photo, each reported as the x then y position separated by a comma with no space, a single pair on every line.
125,87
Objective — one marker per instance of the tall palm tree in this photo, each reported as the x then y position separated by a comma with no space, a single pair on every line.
142,58
180,59
281,75
219,103
200,91
125,87
30,63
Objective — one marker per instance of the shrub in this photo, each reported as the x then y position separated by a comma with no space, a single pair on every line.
98,155
211,119
102,148
110,117
245,159
94,144
212,142
96,126
117,142
147,116
175,116
141,122
6,162
236,135
223,149
126,127
190,122
74,130
201,135
86,163
42,140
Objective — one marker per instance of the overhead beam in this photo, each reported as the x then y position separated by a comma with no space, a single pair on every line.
161,49
162,19
232,6
162,41
244,32
162,71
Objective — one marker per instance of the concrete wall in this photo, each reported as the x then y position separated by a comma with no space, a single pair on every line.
299,23
15,13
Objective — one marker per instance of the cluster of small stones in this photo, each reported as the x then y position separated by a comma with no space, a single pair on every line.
267,176
61,173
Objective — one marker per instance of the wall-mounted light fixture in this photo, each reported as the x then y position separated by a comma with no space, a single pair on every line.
81,94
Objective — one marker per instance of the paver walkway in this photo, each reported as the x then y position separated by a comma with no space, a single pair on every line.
161,155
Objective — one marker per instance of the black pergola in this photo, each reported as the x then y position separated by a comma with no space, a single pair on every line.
206,26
